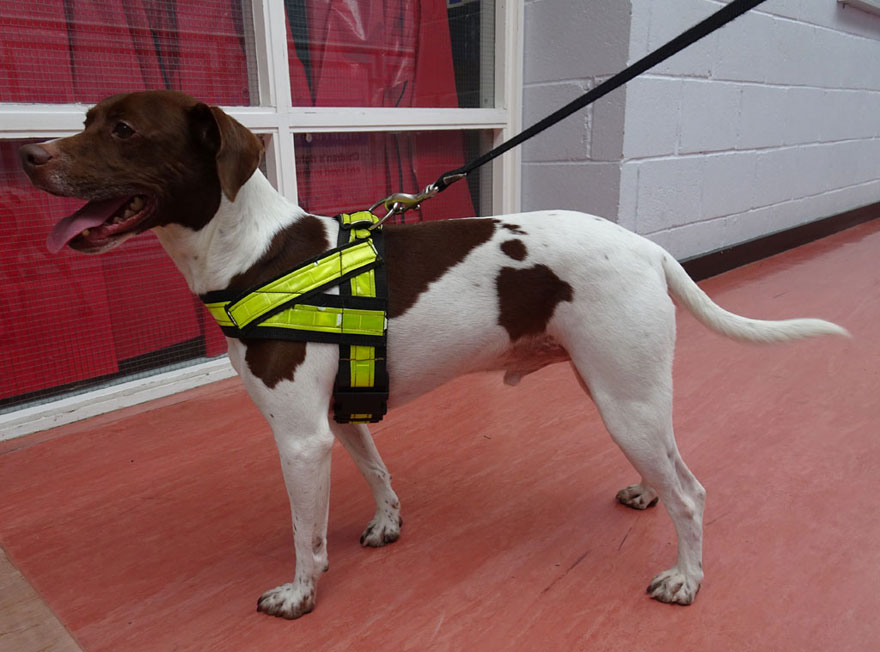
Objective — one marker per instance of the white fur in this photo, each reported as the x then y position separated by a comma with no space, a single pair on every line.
734,326
235,238
619,333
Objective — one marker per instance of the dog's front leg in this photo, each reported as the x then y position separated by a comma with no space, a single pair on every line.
291,383
385,526
305,462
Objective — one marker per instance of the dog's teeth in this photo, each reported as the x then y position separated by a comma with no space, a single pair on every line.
137,203
128,213
85,233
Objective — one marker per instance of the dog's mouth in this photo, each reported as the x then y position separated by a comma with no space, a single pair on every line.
101,224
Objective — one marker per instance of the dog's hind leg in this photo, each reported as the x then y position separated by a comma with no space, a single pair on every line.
639,417
385,526
625,359
637,496
649,445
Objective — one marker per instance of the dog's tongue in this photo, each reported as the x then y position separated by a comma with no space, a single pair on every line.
92,214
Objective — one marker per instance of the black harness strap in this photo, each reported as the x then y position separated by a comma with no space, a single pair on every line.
352,401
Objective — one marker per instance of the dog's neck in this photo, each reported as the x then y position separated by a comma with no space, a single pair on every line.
235,238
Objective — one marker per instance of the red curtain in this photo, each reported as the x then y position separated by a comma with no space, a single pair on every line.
71,317
55,317
376,54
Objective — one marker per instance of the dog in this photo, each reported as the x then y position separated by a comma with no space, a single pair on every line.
512,294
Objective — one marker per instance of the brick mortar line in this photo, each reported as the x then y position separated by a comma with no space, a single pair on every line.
758,208
751,150
693,155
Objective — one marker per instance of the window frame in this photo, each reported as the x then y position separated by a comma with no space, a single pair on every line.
276,117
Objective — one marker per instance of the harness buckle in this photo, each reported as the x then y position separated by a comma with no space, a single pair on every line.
356,226
363,224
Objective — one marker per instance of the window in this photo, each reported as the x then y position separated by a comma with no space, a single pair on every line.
354,100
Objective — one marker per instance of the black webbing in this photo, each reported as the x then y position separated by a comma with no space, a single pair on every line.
694,34
363,404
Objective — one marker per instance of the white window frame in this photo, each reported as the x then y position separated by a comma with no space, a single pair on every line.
277,117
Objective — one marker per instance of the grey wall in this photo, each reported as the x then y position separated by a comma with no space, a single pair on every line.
570,46
771,122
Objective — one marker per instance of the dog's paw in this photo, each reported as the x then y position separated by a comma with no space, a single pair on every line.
637,496
287,601
674,586
383,529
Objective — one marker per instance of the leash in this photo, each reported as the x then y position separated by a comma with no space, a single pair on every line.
400,202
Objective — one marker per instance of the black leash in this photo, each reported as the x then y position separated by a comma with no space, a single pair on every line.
691,36
401,202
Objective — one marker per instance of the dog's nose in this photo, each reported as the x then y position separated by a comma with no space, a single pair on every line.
33,156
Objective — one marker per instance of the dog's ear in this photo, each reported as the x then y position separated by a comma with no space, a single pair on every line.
237,150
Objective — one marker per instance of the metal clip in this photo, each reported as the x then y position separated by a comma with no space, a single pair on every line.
400,202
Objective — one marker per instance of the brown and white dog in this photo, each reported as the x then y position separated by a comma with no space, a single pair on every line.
511,294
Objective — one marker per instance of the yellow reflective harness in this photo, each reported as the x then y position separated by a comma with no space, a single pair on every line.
296,306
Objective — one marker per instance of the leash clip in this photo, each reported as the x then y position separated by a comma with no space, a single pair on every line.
400,202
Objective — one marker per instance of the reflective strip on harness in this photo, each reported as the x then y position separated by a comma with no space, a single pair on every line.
322,273
304,317
296,306
363,366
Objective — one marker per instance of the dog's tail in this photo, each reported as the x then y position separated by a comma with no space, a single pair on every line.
713,316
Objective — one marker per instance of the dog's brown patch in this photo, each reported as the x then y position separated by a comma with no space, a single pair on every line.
273,360
269,360
527,299
513,228
515,249
420,254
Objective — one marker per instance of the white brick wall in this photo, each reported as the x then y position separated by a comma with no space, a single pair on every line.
568,52
771,122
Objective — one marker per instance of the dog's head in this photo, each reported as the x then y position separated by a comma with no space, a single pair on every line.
144,159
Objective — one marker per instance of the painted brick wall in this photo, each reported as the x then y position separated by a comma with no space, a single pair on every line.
570,46
772,122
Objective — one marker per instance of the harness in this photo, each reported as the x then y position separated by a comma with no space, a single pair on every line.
296,306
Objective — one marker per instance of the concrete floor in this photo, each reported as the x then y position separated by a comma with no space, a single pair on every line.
157,527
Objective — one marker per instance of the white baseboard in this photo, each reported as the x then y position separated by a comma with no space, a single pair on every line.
82,406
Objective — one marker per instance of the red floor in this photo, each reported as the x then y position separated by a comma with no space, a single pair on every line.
156,528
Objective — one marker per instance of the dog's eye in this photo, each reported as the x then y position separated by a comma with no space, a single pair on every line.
122,130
